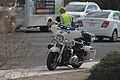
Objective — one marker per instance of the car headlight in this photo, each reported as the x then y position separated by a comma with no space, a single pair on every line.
59,38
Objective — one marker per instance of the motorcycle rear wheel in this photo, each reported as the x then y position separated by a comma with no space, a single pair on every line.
76,66
52,61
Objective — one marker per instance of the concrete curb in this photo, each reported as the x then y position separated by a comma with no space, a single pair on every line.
41,70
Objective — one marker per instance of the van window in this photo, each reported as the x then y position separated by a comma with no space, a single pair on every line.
75,8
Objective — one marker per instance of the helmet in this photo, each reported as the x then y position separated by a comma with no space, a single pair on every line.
62,10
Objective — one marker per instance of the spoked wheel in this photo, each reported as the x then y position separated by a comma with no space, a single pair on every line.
52,61
114,36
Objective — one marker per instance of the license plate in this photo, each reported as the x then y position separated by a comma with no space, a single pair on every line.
91,24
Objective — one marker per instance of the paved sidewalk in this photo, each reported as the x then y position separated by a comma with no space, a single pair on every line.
43,71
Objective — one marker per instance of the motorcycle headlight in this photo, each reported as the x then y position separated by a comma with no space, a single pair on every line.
68,28
59,38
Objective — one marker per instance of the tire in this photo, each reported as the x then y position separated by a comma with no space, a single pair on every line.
76,66
49,24
114,36
44,29
100,38
52,61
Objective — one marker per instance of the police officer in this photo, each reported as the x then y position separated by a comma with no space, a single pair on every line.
65,18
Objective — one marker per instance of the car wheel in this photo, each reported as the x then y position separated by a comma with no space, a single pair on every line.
100,38
49,24
43,28
114,36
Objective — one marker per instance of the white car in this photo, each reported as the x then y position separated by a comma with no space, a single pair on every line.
104,24
79,9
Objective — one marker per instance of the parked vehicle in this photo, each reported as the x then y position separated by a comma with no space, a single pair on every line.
69,47
79,9
36,13
104,24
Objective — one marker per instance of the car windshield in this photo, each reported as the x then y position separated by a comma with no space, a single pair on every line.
98,14
75,8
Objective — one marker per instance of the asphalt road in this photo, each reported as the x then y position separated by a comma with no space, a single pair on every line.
37,54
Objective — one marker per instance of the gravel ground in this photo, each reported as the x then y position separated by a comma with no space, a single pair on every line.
76,75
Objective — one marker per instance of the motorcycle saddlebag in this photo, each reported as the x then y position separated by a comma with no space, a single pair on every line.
91,52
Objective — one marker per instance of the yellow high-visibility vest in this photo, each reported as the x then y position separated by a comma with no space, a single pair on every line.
65,19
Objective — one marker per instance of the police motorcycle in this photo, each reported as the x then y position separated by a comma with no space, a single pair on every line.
69,47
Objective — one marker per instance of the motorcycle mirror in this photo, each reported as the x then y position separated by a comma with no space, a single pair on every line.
68,32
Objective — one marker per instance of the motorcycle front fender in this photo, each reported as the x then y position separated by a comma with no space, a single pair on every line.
54,49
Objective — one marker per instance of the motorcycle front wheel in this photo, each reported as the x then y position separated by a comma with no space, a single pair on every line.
52,61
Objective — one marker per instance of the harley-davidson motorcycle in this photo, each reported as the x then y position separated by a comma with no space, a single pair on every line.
70,46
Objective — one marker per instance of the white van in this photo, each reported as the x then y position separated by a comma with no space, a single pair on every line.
79,9
35,13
